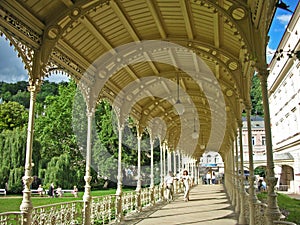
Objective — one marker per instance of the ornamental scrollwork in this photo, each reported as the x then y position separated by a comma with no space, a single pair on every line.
21,27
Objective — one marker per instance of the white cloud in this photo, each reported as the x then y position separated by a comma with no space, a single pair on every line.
57,78
12,68
284,19
270,54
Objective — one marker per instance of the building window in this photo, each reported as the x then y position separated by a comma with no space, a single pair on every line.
253,140
208,159
263,140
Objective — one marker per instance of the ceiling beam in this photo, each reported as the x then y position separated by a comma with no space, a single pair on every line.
124,20
157,18
186,11
68,50
131,31
68,3
97,34
91,27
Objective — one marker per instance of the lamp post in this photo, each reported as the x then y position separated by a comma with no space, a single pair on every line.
195,134
178,105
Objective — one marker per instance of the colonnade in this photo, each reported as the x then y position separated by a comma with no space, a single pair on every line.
245,203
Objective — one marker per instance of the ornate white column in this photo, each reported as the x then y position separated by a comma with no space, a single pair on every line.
139,181
164,160
26,205
174,162
252,194
196,172
237,182
161,170
169,154
152,171
242,218
192,163
179,161
174,171
87,198
119,191
233,176
273,212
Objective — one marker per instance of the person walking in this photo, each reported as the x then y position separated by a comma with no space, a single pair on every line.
51,191
169,180
186,183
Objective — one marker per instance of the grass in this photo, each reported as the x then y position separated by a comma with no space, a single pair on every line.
13,202
288,206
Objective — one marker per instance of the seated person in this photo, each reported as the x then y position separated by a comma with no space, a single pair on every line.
75,192
40,190
59,192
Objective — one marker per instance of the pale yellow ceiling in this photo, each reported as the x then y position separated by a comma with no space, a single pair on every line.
219,42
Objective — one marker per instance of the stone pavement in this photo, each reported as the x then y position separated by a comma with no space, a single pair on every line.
208,205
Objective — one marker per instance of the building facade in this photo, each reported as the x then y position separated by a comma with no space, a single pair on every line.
284,98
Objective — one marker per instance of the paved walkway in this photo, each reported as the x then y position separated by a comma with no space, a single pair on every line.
208,205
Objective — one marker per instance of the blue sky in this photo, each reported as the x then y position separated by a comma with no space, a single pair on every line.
277,29
12,68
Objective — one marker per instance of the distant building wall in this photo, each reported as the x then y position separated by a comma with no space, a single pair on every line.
284,99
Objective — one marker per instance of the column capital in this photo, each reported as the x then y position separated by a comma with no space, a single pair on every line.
90,112
248,106
263,74
120,127
34,85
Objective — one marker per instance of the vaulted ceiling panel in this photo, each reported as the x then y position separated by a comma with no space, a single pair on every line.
82,31
141,18
173,18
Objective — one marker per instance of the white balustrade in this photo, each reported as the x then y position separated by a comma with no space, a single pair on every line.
66,213
103,209
12,218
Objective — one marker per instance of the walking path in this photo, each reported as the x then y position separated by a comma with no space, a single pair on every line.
208,205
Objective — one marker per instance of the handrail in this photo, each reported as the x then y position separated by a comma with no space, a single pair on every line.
12,217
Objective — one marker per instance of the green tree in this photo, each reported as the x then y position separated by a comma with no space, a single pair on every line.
62,172
256,97
12,115
12,158
22,97
53,128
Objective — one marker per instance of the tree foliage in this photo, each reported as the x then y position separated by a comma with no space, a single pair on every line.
55,134
62,171
12,115
18,92
12,158
256,97
60,138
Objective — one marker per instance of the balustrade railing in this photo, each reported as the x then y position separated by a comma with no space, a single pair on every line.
11,218
157,193
129,202
146,197
66,213
70,213
284,222
103,209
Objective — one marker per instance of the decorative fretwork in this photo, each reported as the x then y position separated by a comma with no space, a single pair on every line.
129,202
60,213
260,210
21,27
11,218
60,62
26,53
103,209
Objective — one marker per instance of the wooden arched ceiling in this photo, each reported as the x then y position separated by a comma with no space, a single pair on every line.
228,36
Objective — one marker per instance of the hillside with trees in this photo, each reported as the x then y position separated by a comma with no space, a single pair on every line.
57,155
